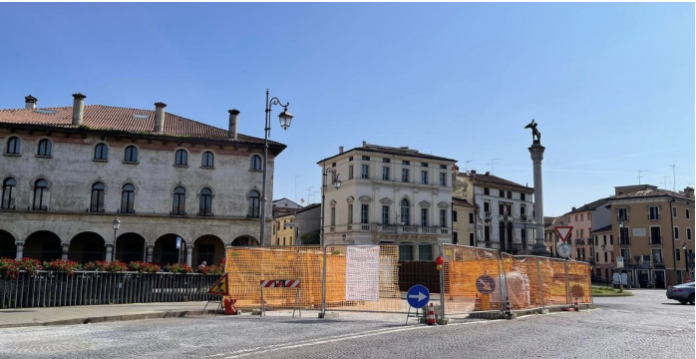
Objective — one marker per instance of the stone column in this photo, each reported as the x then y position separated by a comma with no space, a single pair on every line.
189,254
66,247
537,152
20,249
109,252
150,249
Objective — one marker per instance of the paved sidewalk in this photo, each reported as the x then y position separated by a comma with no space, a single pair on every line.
27,317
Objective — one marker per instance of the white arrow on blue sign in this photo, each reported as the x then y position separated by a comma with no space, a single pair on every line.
418,296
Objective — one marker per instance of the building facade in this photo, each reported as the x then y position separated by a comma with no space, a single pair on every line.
505,219
604,260
653,232
463,222
585,220
68,172
388,195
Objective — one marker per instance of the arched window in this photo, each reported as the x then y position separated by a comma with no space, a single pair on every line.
14,146
254,204
255,163
101,152
9,192
128,198
208,159
179,203
45,148
181,158
131,154
206,207
41,195
97,202
405,212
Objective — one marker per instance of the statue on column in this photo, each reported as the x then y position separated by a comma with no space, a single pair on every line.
536,135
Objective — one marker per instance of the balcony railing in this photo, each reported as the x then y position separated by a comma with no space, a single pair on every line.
579,241
656,241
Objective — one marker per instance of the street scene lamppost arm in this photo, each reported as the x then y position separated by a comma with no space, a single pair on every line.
285,118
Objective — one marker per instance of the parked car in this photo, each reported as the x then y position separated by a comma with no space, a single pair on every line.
684,293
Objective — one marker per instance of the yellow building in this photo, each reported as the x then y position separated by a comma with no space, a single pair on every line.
284,228
653,233
463,222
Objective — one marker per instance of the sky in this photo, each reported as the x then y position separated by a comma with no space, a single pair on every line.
610,85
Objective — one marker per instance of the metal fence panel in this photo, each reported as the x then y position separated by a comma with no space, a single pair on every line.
363,278
473,280
248,266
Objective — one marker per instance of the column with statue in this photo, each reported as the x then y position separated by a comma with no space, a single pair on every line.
537,152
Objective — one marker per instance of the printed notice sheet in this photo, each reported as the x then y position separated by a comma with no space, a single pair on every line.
362,273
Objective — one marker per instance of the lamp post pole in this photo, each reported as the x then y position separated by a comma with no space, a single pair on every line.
337,184
686,262
285,119
116,224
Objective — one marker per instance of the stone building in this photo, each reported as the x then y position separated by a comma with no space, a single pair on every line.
68,172
653,233
388,195
505,219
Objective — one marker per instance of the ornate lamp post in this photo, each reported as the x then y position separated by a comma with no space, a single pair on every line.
285,119
337,184
116,224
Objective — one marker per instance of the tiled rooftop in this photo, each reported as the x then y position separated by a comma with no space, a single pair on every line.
495,180
99,117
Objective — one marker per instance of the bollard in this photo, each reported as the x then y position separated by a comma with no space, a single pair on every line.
431,315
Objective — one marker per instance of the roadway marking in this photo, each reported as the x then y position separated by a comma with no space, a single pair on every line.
275,347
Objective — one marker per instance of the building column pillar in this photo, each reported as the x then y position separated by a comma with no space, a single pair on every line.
109,252
189,254
20,249
66,247
150,249
537,152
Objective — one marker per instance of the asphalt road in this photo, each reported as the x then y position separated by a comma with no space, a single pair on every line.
646,325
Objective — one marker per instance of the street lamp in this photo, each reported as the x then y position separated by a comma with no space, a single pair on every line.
686,260
116,224
337,184
285,120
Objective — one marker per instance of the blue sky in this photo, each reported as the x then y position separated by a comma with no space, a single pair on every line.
611,85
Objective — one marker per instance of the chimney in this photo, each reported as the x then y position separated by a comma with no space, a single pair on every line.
364,143
30,102
488,173
78,109
689,192
473,172
159,117
340,149
234,115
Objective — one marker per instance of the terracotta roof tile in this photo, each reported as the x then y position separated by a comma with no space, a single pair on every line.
495,180
101,117
462,202
652,192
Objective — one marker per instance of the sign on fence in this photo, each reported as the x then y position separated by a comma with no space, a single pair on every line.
362,273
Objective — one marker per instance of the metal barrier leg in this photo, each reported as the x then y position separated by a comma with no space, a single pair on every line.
323,287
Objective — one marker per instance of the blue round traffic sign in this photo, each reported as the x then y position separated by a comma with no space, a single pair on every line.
418,296
485,284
